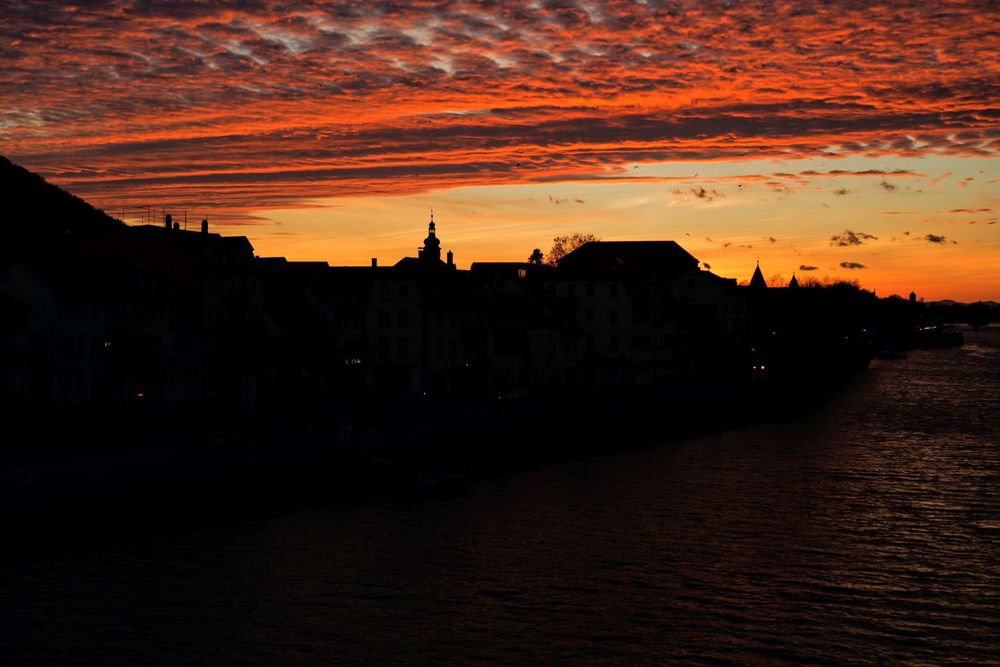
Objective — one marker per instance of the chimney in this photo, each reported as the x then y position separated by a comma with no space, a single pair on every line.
169,221
374,262
204,225
451,259
177,226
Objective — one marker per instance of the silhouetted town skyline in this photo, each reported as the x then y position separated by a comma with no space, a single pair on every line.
102,316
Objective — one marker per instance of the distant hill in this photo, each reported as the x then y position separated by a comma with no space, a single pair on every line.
951,302
35,214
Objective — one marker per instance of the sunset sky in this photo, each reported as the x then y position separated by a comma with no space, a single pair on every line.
845,139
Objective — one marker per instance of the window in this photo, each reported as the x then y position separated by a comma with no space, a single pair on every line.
439,348
570,290
383,292
383,318
383,347
404,292
402,348
613,315
612,342
404,318
590,291
453,348
614,290
590,316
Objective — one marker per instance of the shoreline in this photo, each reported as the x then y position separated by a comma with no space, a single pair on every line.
456,443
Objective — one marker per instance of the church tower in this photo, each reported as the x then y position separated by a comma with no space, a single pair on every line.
431,252
757,280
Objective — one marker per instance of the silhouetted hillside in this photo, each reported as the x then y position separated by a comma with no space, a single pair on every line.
36,213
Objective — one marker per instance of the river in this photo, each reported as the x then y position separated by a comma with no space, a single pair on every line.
865,532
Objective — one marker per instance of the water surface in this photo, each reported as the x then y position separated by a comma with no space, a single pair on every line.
868,532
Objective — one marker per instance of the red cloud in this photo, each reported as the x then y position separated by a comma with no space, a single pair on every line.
261,105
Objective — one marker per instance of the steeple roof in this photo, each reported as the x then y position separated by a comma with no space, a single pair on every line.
757,280
431,251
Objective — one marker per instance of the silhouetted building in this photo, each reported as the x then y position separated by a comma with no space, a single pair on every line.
807,332
431,250
645,307
103,319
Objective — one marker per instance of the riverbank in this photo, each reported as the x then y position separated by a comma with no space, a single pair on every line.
389,448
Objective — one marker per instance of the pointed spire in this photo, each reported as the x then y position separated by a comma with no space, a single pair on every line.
794,281
757,280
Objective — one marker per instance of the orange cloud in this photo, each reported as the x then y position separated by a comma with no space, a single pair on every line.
260,105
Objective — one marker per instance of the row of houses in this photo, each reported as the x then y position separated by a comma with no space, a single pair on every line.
611,314
137,315
184,320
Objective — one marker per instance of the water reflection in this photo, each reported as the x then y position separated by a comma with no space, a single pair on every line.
867,532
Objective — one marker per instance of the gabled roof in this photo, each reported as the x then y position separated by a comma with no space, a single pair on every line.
664,259
500,267
497,272
718,280
757,280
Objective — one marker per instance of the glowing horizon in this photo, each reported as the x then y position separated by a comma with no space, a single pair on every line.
806,134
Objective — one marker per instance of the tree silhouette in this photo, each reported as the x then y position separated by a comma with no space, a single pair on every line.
536,257
564,245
